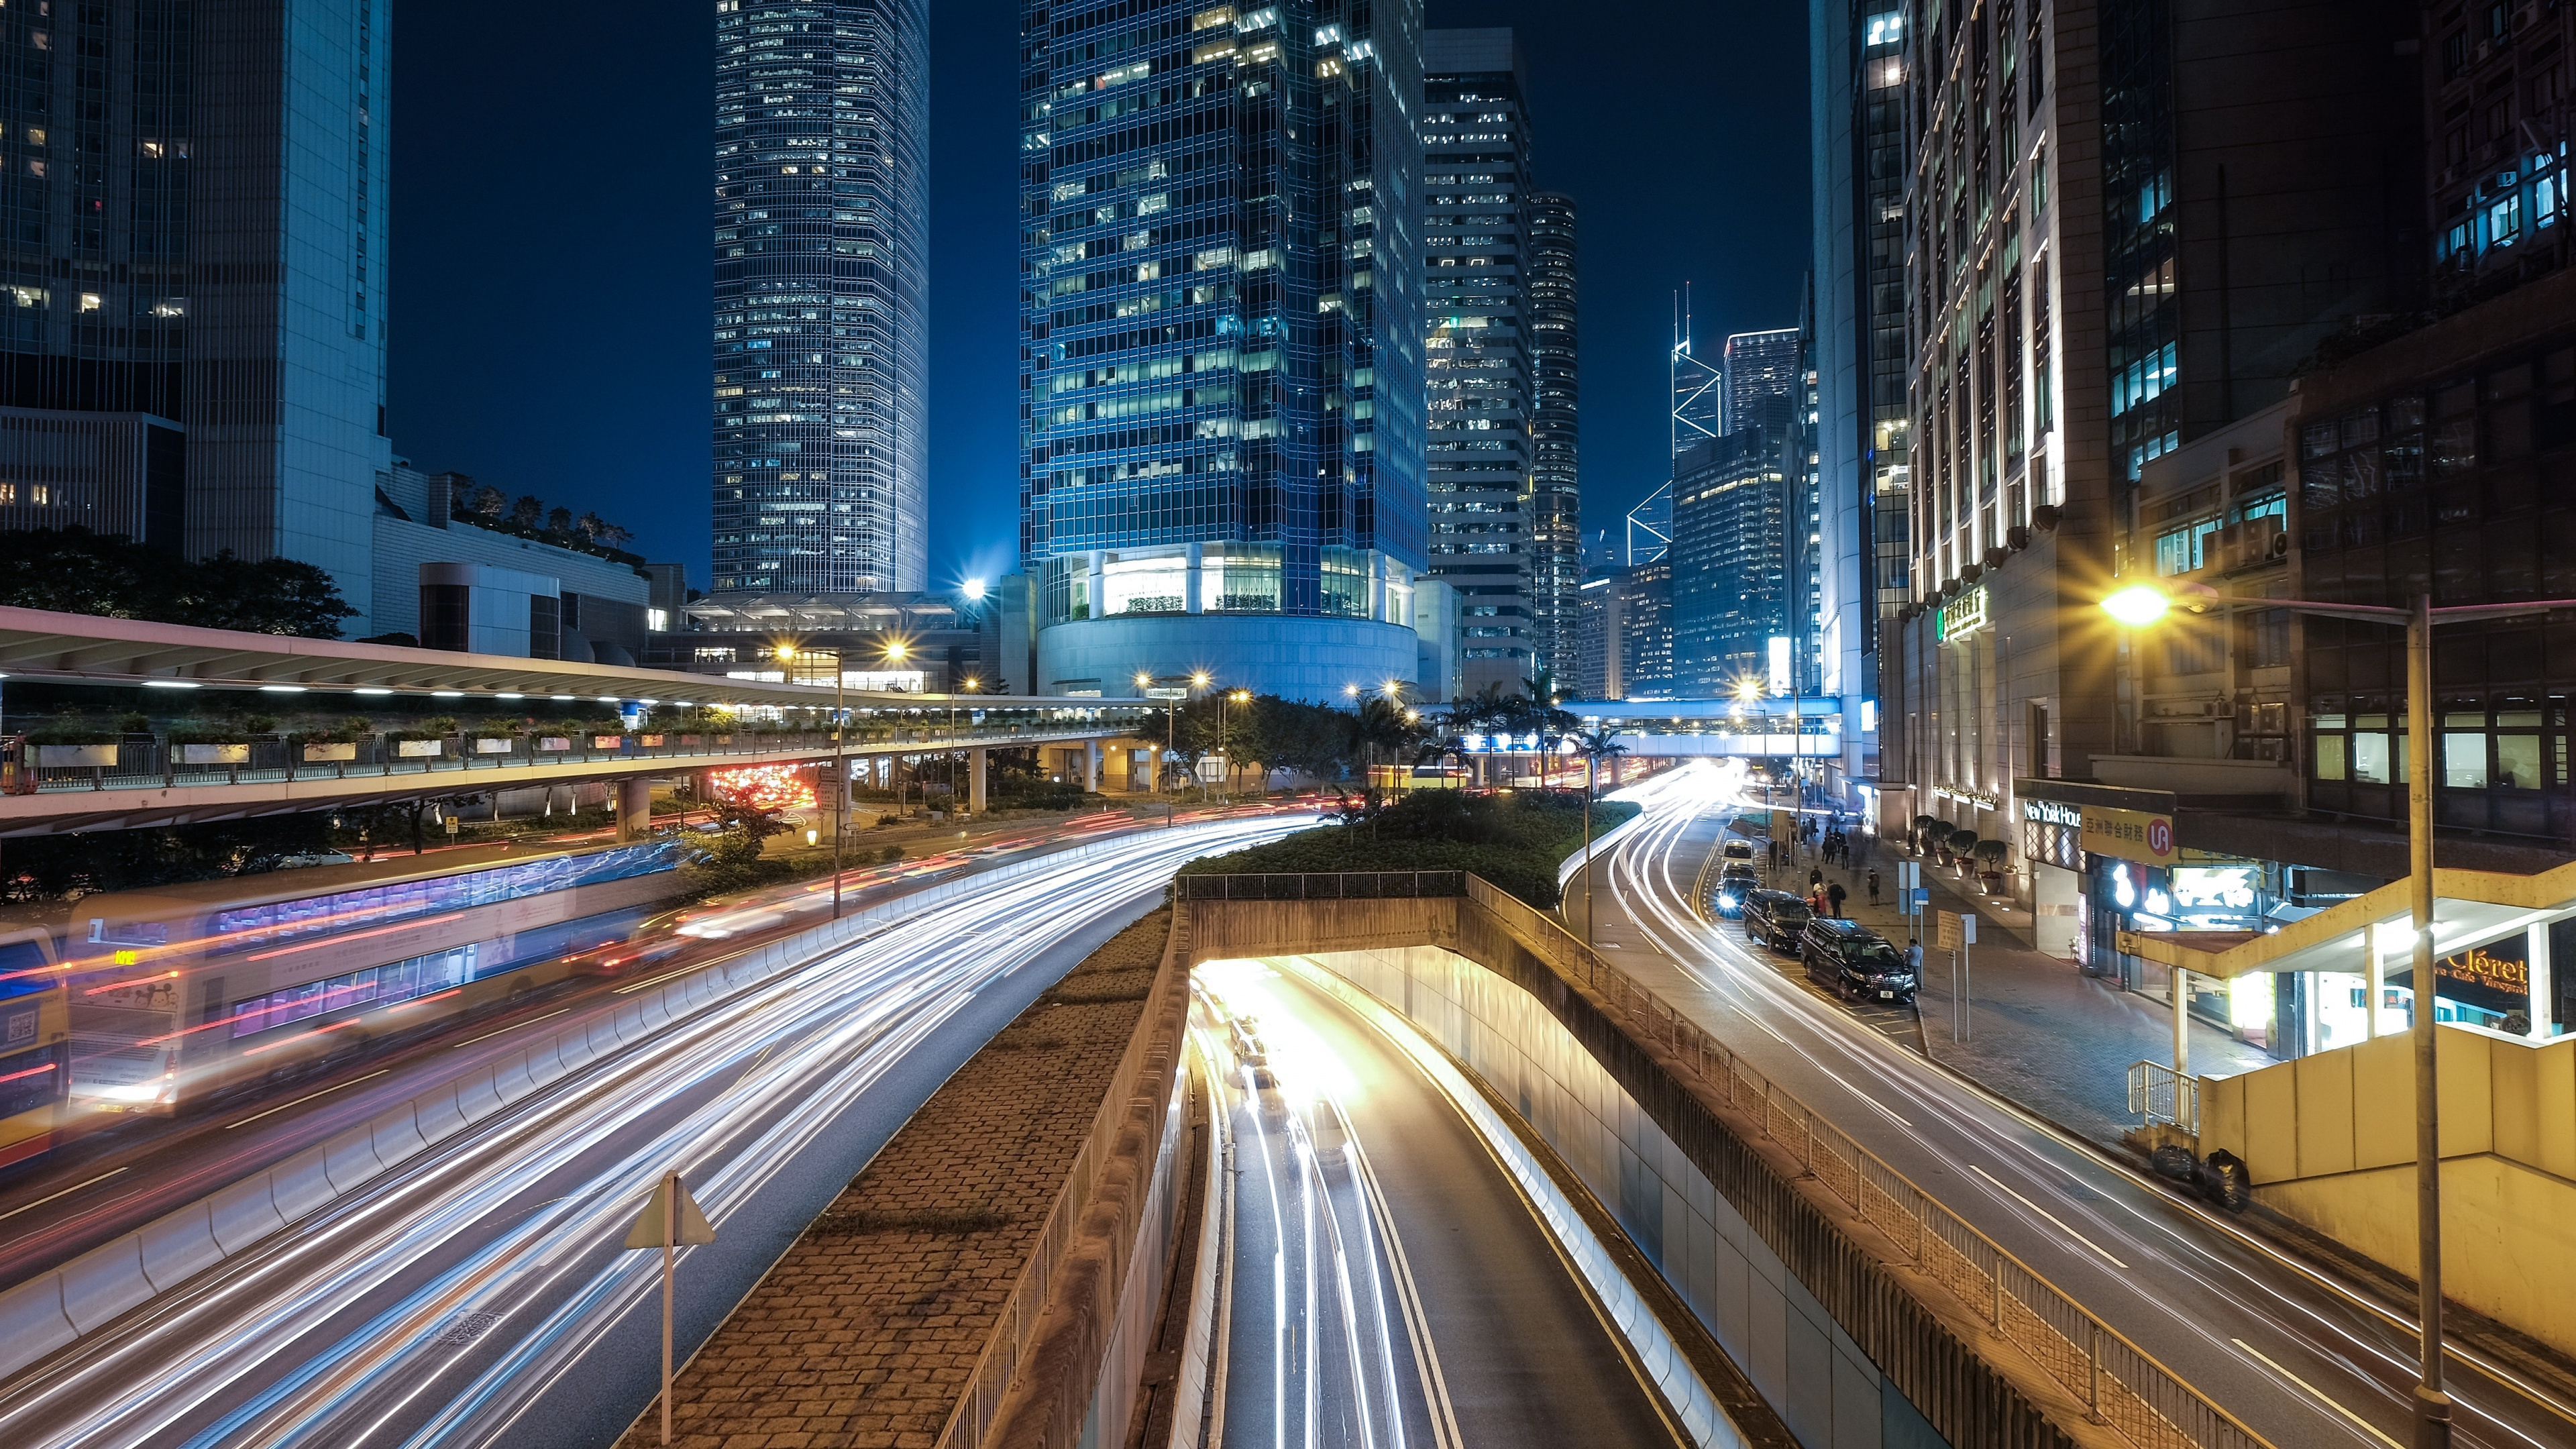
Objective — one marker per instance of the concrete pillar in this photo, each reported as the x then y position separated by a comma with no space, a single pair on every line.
634,809
974,782
2374,976
2182,1020
2544,991
1091,766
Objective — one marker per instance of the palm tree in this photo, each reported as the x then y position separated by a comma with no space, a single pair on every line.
1600,744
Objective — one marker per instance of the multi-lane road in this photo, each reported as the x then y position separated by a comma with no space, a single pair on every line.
2301,1356
478,1294
1389,1286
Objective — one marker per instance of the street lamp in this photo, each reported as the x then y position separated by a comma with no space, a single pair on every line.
2141,605
1224,735
840,772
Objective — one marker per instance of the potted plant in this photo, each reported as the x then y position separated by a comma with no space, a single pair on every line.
1936,835
338,743
426,743
1990,865
1961,845
216,744
72,745
496,736
1923,831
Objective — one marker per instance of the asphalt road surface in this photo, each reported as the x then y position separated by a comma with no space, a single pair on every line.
1390,1286
2302,1357
479,1294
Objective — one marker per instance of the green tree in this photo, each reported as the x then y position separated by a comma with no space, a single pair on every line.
75,571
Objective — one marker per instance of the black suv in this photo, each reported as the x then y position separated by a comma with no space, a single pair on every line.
1775,918
1855,961
1735,881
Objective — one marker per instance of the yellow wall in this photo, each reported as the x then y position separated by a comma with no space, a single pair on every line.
2329,1140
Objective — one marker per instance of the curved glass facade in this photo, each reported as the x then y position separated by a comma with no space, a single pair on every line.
1221,308
822,204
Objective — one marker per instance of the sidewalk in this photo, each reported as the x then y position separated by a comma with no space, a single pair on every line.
2038,1030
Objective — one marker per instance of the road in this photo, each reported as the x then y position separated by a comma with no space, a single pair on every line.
114,1180
478,1295
1389,1285
2300,1357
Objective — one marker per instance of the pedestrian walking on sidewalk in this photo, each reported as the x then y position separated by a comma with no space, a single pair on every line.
1873,888
1914,957
1815,878
1835,895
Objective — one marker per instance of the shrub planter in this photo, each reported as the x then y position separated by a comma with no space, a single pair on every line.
554,744
323,754
606,742
501,746
214,754
419,749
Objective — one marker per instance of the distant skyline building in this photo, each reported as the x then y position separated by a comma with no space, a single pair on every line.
1477,359
821,328
1760,381
192,331
1699,387
1730,559
1221,331
1556,480
1650,525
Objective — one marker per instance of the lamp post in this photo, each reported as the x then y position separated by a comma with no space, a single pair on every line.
2141,605
840,771
1225,736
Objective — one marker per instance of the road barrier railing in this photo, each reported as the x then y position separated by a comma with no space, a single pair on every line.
1368,885
62,1304
2120,1385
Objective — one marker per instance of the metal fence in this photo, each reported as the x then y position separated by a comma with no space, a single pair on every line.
2158,1093
1018,1318
157,761
2120,1384
1357,885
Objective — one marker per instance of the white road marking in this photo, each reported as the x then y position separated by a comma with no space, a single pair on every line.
2363,1424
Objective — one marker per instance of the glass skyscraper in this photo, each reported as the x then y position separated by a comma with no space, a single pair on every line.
1478,363
822,203
1556,490
1221,341
192,324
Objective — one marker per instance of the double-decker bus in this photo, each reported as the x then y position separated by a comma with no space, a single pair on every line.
180,993
35,1036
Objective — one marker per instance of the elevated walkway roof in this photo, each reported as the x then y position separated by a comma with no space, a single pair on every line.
2470,908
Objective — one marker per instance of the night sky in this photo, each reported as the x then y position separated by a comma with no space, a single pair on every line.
551,270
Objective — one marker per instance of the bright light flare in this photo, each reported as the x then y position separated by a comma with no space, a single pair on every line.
2137,605
1309,1071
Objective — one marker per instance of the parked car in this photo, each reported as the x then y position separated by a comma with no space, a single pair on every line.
1736,848
1735,881
1855,961
1775,919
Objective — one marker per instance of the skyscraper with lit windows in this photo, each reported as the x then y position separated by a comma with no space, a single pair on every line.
821,344
1221,344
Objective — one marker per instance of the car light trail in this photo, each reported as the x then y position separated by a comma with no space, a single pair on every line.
331,1334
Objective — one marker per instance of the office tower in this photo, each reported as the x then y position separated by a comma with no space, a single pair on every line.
1650,525
1759,372
1596,643
1477,361
2111,256
1643,600
1699,387
822,202
193,350
1556,489
1857,196
1730,560
1222,327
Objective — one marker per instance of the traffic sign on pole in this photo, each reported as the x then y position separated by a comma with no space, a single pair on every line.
670,1221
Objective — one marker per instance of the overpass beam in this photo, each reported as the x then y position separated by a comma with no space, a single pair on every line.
634,809
975,781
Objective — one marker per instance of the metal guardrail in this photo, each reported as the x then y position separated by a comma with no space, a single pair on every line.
2158,1093
151,762
2121,1385
1017,1320
1359,885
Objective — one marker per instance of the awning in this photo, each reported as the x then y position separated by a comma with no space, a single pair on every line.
2470,908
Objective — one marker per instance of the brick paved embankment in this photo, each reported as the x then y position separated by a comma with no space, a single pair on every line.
865,1332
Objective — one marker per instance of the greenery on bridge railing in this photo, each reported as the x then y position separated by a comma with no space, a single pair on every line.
1515,840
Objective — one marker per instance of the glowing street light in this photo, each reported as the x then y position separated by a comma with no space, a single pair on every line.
2137,605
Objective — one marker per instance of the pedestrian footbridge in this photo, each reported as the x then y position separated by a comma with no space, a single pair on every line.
57,781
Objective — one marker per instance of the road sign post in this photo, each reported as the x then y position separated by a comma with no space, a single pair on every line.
669,1222
1957,933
